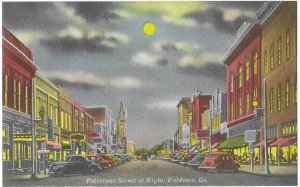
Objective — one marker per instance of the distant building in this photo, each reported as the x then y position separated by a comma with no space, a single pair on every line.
184,111
122,129
130,148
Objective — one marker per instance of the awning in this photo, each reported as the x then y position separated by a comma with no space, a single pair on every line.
234,142
215,145
52,145
93,134
66,145
285,141
262,142
77,136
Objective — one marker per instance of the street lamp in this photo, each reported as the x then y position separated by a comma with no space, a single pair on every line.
264,109
42,113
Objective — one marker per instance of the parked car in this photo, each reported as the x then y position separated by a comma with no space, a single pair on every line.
144,157
98,160
122,159
72,165
196,161
178,159
187,157
105,157
219,161
169,156
175,156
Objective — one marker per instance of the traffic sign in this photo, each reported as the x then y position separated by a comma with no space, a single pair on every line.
44,151
250,135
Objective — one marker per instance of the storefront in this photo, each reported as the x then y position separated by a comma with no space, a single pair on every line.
285,149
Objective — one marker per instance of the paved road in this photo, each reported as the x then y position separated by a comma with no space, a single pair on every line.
160,173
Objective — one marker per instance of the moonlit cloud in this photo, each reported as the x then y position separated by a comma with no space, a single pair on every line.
200,60
178,46
163,104
145,59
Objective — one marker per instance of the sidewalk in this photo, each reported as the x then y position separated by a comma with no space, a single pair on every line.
23,176
274,170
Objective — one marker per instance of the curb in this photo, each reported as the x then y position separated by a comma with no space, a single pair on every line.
264,175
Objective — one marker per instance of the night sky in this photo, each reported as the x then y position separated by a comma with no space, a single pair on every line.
98,52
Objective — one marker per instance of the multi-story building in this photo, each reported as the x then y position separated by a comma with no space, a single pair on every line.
122,129
184,111
243,86
45,97
131,145
103,126
89,133
18,70
200,103
279,68
217,118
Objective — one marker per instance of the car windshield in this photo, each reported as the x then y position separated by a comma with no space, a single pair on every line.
68,159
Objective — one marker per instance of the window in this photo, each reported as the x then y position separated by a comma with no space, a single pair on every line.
66,121
289,128
272,57
255,94
56,116
240,78
61,119
231,110
272,131
240,106
255,63
279,97
15,93
288,44
37,107
231,82
295,90
247,69
5,135
287,97
26,99
271,101
279,51
266,61
19,95
247,103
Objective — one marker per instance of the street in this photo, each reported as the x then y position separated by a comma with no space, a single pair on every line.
157,173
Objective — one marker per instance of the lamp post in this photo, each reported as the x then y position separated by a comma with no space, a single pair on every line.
42,114
264,109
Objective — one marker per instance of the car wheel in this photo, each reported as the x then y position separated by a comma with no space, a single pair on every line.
92,170
60,172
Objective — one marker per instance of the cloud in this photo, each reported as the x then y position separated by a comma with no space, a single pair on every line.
84,80
179,46
145,59
32,15
222,20
93,11
29,36
166,105
73,39
241,5
203,65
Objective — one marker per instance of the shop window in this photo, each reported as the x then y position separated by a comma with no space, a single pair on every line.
271,101
287,97
272,57
5,154
240,77
266,61
5,135
279,97
288,44
247,69
255,63
279,51
26,99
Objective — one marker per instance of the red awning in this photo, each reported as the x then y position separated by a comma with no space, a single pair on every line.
215,145
285,141
52,145
93,134
262,142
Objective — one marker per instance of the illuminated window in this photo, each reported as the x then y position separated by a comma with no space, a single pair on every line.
70,127
247,103
66,121
61,119
255,64
231,82
240,106
266,61
279,97
272,57
26,99
287,97
247,69
255,94
51,111
56,116
231,110
288,44
279,51
15,94
19,95
240,76
271,101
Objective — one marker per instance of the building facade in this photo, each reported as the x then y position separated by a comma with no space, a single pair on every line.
184,111
18,70
131,145
243,86
121,129
279,68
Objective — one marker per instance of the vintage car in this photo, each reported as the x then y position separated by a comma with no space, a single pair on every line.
144,157
98,160
74,164
219,161
196,161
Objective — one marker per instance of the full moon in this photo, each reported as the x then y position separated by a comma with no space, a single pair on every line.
148,28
